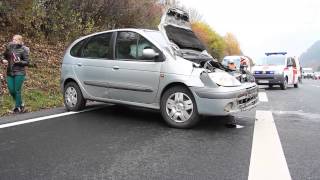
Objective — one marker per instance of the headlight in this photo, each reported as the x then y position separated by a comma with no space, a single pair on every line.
224,79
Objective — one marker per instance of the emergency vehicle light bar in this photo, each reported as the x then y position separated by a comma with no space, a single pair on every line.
275,53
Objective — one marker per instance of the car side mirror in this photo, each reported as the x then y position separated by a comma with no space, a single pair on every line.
149,54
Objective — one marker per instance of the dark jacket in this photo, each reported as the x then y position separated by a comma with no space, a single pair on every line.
16,52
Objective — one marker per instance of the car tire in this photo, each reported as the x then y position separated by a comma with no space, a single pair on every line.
73,98
178,108
296,85
284,85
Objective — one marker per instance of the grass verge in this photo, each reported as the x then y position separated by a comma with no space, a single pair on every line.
34,100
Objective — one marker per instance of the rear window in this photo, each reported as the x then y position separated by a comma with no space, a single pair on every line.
75,50
272,60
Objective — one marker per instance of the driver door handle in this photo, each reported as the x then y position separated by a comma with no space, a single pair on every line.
115,67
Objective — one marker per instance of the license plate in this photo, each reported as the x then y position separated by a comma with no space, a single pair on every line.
263,81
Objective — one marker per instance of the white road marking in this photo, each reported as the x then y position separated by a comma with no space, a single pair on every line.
44,118
315,86
263,97
304,115
267,158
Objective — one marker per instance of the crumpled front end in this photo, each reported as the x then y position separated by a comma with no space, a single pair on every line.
226,100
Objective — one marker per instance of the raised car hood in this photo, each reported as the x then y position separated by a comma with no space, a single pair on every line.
176,27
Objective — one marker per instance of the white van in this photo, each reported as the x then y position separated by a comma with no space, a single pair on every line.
277,68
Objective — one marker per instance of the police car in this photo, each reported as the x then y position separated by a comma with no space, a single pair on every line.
277,68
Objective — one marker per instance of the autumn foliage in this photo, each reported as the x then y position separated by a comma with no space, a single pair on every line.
232,45
213,41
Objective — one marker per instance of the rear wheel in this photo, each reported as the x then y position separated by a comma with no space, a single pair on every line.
178,108
296,85
73,98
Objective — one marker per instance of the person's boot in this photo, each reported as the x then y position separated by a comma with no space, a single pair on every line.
16,110
22,108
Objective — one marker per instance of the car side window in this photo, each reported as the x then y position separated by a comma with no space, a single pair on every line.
75,50
294,62
288,61
126,45
145,44
98,47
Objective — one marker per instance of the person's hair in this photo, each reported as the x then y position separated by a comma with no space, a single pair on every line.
19,38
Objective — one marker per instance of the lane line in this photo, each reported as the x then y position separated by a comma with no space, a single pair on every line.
45,118
263,97
315,86
267,158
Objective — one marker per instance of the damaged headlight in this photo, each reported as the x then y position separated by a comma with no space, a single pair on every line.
224,79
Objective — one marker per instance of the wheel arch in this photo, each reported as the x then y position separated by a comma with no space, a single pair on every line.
173,84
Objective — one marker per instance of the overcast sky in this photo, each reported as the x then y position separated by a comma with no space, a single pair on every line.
264,25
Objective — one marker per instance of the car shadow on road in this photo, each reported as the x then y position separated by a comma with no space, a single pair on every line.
135,116
278,88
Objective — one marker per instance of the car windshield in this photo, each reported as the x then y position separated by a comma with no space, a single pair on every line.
272,60
158,37
236,60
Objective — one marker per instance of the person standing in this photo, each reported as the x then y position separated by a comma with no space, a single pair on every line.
16,58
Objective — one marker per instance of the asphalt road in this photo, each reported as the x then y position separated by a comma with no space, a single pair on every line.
116,142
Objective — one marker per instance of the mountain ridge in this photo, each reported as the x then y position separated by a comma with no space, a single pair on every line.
311,58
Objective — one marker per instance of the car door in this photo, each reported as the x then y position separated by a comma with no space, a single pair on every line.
135,79
295,71
290,70
94,64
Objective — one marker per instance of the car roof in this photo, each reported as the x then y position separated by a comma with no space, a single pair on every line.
140,31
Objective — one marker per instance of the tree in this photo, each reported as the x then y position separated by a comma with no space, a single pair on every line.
213,41
232,45
67,19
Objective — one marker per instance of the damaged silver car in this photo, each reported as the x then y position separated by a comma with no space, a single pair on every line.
168,70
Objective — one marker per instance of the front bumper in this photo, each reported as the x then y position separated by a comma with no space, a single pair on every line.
226,100
266,79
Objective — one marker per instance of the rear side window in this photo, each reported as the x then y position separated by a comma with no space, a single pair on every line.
75,50
98,47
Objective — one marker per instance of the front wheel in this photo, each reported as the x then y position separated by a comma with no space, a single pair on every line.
73,98
178,108
284,85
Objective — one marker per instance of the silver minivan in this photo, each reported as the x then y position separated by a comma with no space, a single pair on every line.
168,70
